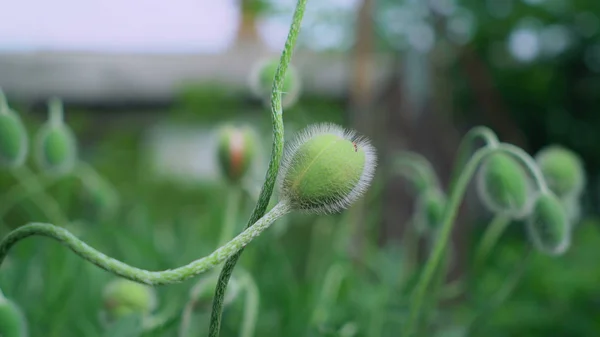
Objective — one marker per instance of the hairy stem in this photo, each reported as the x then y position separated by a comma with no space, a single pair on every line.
55,111
136,274
271,175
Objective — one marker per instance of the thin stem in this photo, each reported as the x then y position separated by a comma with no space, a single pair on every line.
417,169
55,111
450,212
466,147
508,287
251,306
489,239
21,191
3,103
136,274
271,175
230,216
44,202
331,286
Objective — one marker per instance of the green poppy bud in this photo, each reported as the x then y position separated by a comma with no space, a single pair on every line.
123,297
325,169
503,185
562,170
430,209
12,320
13,137
548,226
236,151
56,151
261,82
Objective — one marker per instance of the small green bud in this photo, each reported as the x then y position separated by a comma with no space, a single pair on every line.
236,150
261,82
548,226
503,186
56,151
12,320
123,297
13,137
562,170
430,209
325,169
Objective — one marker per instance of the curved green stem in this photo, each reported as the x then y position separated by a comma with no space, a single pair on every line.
136,274
271,175
450,212
466,147
46,204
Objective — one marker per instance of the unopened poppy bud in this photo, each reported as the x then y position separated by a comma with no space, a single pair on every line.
548,226
503,186
562,169
56,151
261,82
236,151
430,209
123,297
13,137
325,169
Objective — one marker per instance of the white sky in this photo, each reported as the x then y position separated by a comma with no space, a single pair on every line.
118,25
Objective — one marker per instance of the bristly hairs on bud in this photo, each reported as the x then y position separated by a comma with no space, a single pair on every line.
563,170
337,184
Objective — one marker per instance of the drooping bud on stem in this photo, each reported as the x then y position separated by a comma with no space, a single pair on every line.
430,209
325,169
562,170
236,151
261,82
56,151
123,297
548,226
13,136
503,186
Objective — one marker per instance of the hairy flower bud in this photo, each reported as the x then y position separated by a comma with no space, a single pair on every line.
548,226
503,186
325,169
236,151
123,297
261,82
562,170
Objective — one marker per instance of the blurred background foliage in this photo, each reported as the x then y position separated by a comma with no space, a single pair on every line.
416,75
